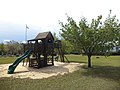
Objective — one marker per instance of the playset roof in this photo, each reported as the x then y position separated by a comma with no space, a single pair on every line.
42,36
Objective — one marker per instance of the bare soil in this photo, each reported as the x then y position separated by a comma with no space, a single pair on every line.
33,73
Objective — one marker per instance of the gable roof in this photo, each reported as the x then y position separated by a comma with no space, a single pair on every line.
44,35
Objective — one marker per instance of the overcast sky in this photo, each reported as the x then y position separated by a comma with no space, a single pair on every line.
43,15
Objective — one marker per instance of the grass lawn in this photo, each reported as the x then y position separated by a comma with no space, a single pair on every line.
6,60
105,75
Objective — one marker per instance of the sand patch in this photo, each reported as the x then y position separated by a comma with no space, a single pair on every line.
33,73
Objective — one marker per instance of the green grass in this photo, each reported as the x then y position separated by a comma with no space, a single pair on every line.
101,61
7,60
105,75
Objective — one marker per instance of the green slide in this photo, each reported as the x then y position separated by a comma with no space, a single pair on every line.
15,64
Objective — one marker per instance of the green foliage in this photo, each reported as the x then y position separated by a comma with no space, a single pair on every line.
67,47
12,48
96,37
2,49
112,27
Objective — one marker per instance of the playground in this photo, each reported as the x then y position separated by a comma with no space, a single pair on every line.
33,73
38,60
39,52
105,74
39,69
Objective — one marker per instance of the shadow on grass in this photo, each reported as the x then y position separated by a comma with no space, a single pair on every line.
107,72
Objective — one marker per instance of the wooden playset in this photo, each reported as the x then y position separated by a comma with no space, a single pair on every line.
42,50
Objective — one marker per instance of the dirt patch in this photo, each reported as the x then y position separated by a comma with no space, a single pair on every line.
33,73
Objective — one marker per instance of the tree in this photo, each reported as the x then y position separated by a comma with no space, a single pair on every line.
66,47
112,26
91,38
14,47
2,48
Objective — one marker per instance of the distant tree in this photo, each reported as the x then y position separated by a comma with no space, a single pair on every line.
2,48
14,47
96,37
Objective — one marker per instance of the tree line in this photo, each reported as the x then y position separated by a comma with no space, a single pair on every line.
11,48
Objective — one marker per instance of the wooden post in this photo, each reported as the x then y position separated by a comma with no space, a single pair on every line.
38,60
52,59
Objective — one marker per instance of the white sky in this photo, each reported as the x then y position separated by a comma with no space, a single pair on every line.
46,13
42,12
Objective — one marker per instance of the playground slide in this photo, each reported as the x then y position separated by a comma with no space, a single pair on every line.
18,60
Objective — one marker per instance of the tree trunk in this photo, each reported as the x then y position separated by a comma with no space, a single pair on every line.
89,61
